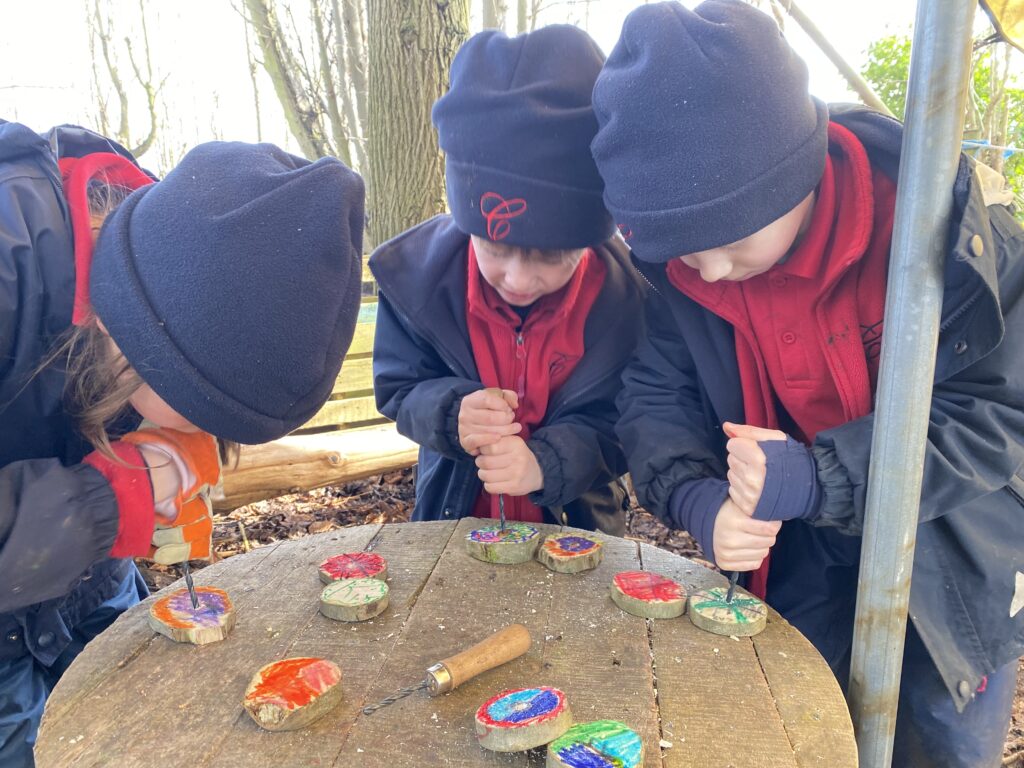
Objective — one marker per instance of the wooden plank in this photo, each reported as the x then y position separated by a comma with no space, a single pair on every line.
808,697
354,410
192,692
362,340
599,658
356,378
303,462
412,551
725,714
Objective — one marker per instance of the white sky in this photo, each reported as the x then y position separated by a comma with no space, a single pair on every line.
199,45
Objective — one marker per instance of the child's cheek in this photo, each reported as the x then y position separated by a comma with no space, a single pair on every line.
153,408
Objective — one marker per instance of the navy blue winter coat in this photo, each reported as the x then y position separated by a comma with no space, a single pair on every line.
423,366
965,600
58,517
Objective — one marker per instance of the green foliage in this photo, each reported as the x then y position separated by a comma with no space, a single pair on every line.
887,71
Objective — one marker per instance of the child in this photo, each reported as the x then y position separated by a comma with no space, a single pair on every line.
764,223
521,288
220,299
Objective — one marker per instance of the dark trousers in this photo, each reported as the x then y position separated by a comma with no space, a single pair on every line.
813,584
25,683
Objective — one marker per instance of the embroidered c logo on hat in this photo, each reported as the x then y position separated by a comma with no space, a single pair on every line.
498,211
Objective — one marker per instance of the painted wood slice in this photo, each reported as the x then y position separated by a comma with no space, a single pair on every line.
648,595
522,719
517,543
354,599
174,616
744,616
571,553
600,744
292,693
353,565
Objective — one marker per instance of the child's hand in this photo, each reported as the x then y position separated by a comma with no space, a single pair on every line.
747,463
509,466
485,417
742,543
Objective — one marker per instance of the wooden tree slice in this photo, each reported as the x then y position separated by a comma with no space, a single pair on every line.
600,744
516,544
522,719
743,617
174,616
353,565
354,599
292,693
571,552
649,595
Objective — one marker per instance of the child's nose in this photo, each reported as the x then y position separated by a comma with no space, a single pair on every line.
714,269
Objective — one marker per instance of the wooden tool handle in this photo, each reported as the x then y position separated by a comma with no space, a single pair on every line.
502,646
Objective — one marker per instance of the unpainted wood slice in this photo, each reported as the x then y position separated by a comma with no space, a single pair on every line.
523,718
571,552
744,616
599,744
517,543
173,616
354,599
353,565
649,595
290,694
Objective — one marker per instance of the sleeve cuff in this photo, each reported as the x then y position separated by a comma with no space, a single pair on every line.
550,495
134,495
693,506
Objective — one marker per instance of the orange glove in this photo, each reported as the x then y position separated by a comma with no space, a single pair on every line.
185,534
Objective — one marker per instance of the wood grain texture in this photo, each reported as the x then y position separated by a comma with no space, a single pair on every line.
761,702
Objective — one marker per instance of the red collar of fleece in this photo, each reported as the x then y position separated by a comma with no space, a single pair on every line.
76,174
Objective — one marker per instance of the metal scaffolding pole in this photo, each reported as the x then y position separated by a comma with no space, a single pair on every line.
936,97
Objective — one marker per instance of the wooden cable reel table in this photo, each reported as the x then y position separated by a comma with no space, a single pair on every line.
135,698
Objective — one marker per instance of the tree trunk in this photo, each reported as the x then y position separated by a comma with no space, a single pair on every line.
280,64
412,46
494,14
339,129
521,16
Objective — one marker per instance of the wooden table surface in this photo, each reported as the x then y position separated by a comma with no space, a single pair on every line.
134,698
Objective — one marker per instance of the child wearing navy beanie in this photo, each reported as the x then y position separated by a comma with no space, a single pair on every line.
763,220
502,328
145,327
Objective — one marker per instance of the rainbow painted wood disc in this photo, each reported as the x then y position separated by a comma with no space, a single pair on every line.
292,693
649,595
600,744
353,565
174,617
516,543
522,719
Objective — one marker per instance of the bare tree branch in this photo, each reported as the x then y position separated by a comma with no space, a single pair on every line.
856,82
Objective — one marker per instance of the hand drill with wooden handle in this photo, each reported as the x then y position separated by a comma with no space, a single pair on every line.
505,645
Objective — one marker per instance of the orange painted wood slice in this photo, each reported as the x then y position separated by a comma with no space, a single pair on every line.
571,552
290,694
173,616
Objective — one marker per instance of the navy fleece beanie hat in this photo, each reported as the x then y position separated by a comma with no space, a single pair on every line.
232,286
707,131
516,126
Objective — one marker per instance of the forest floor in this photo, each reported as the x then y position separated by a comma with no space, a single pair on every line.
389,498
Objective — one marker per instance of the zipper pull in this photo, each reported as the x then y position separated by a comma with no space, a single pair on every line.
521,380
